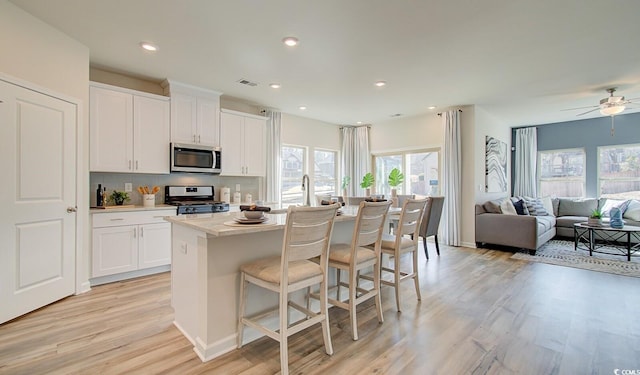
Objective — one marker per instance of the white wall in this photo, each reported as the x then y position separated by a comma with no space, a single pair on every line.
407,133
313,134
34,52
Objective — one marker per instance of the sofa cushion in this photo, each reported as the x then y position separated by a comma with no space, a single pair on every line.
555,202
545,223
535,207
633,211
611,203
583,207
568,221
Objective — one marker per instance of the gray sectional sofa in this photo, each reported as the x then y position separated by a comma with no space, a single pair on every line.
530,232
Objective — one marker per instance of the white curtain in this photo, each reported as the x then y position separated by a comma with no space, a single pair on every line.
525,183
273,178
356,157
451,176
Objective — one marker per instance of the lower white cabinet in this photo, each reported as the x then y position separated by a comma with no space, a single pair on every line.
130,241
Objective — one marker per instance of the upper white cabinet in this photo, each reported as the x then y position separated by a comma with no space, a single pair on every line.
242,140
194,114
129,130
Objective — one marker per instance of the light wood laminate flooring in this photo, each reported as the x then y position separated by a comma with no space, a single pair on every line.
481,313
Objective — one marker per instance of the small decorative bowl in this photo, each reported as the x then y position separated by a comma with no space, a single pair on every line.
253,214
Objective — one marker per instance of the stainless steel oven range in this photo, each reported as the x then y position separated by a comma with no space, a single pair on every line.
193,199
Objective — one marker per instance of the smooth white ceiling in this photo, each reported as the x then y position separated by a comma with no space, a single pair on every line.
521,60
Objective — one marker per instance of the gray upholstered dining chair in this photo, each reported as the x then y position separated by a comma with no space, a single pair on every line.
431,222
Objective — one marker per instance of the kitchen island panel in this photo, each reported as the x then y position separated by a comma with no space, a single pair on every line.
206,278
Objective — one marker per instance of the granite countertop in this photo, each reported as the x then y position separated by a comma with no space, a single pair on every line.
222,224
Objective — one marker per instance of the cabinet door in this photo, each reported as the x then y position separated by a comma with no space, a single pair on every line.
151,135
208,129
114,250
154,245
183,118
231,144
110,131
254,150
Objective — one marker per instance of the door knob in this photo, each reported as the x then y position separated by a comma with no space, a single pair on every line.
71,209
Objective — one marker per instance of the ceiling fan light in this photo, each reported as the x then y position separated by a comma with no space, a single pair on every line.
612,110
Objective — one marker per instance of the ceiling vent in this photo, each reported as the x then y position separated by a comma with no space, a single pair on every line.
396,115
247,82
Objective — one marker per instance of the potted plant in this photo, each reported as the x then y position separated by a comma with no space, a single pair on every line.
118,197
345,183
396,178
595,218
367,182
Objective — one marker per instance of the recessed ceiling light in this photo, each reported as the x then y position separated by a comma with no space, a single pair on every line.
275,85
290,41
302,108
149,46
432,107
359,122
381,83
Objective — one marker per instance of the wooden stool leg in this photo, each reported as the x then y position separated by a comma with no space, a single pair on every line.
338,278
284,350
352,304
326,333
415,274
424,242
396,275
437,247
376,286
241,308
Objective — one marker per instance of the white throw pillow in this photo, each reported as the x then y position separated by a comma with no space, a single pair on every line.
611,203
633,210
507,207
548,205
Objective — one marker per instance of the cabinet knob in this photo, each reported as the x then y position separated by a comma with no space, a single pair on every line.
129,164
136,165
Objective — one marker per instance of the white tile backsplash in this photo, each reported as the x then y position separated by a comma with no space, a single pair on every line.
116,181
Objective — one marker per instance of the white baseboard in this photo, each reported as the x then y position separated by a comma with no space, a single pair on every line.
216,349
128,275
84,287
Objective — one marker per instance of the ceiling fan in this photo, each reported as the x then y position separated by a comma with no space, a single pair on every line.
609,106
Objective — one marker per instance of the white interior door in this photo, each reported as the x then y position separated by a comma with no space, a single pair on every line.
37,233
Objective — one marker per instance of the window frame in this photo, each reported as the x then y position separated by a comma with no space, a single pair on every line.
540,179
305,168
336,169
402,189
599,177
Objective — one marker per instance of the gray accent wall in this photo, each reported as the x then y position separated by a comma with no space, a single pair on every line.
588,134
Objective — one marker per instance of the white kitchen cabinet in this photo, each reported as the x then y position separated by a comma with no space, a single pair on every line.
194,114
242,140
130,241
129,130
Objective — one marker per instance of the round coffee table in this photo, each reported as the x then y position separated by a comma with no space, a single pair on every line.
625,240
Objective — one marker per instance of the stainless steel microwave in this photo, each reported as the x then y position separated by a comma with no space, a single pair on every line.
195,158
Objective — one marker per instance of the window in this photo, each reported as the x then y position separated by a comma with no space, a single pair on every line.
561,173
619,171
293,168
420,169
325,172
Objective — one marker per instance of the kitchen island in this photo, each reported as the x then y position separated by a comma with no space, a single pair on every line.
207,252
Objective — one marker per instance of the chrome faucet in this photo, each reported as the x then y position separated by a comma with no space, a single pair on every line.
306,195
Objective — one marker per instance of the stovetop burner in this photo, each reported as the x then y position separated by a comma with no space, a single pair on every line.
193,199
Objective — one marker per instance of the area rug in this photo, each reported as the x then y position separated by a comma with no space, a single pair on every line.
562,253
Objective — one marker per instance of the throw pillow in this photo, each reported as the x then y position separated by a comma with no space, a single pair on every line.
611,203
547,203
493,207
507,207
535,207
520,207
633,210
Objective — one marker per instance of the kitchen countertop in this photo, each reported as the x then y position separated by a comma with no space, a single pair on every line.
129,208
214,224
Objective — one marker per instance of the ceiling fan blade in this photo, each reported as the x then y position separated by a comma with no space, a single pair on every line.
584,113
573,109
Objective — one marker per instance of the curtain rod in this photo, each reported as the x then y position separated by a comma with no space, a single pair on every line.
349,126
440,114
